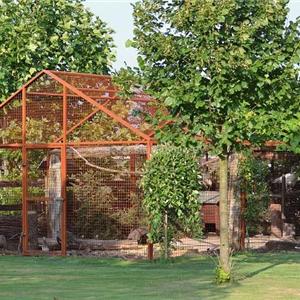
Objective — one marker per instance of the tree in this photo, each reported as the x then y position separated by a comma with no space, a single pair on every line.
47,34
227,70
171,185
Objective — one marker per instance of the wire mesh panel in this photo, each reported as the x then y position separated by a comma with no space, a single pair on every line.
105,215
98,87
100,127
79,110
10,200
44,111
44,207
101,89
45,85
11,121
284,189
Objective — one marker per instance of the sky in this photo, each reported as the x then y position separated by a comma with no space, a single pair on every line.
118,15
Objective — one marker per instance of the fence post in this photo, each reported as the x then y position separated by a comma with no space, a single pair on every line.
24,178
243,222
150,245
64,175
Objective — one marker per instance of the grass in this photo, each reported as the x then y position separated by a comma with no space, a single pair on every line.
263,276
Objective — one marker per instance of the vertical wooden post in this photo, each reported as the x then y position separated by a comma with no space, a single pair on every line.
150,245
243,222
64,176
276,221
54,193
24,177
132,174
283,197
166,235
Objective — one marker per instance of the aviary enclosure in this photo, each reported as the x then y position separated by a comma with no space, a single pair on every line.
72,155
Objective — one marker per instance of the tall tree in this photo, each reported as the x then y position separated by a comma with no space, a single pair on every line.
50,34
227,70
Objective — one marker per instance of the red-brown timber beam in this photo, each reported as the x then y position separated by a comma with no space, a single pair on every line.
25,231
64,175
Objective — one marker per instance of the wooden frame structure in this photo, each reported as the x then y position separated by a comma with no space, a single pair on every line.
96,90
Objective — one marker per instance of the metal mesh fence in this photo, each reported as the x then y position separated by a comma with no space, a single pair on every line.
10,199
105,215
104,210
44,118
44,201
93,195
11,121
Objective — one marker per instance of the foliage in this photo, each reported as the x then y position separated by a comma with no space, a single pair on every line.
227,71
10,196
37,131
222,276
11,171
224,73
127,79
63,35
253,176
171,186
290,134
98,213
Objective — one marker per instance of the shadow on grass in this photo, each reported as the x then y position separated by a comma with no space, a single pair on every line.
241,277
82,278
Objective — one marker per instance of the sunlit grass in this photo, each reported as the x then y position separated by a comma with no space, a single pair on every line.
259,276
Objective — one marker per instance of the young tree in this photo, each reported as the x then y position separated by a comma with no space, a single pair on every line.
47,34
225,69
171,184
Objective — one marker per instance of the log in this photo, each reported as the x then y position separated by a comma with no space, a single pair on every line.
17,183
98,151
10,225
51,243
107,244
93,244
281,245
11,207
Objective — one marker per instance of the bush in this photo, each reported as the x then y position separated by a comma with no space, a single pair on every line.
171,184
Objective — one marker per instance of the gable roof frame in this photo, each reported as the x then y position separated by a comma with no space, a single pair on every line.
101,107
81,94
11,97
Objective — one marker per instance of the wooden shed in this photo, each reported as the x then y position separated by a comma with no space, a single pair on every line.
210,211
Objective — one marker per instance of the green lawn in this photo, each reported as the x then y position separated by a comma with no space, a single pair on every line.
263,276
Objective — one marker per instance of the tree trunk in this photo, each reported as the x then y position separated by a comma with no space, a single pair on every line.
224,224
53,192
234,203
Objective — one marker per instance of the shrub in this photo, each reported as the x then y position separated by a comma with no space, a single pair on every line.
171,184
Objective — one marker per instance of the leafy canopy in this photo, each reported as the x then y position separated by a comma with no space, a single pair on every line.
227,70
47,34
